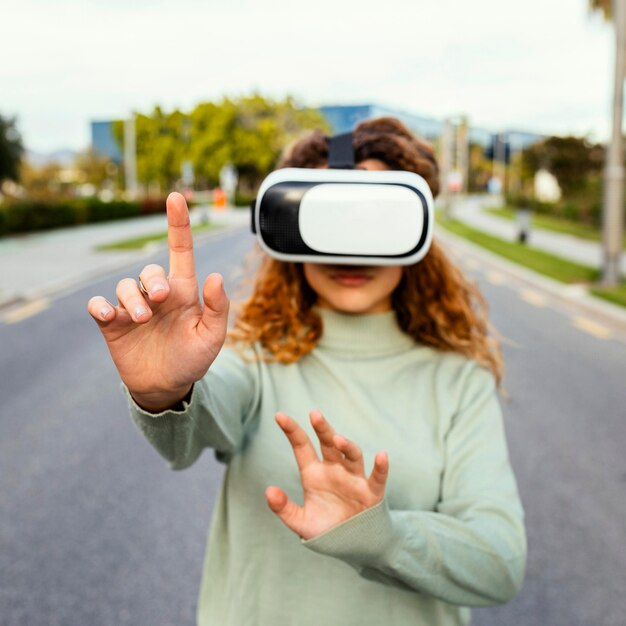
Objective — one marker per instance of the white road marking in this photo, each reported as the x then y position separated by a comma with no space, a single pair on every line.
591,327
533,297
26,310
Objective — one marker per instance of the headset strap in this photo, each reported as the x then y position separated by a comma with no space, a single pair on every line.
253,215
341,152
340,157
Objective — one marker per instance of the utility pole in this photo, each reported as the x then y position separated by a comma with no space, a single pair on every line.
515,166
498,162
613,205
462,152
130,158
446,164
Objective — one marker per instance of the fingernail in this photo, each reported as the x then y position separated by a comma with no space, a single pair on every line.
140,311
156,288
105,312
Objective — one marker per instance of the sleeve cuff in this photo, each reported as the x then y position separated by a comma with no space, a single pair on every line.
137,410
361,540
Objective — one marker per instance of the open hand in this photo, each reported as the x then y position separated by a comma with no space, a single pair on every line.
335,488
164,340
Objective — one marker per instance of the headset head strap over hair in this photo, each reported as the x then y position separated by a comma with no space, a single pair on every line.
341,152
342,215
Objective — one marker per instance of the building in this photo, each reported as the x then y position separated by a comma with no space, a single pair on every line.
343,118
103,141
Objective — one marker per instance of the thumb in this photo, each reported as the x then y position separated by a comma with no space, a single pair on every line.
289,513
216,304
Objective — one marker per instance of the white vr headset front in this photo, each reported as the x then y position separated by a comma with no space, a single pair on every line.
344,216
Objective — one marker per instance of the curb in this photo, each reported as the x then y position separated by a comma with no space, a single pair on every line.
568,294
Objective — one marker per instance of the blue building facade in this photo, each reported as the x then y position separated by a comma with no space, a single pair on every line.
343,118
103,141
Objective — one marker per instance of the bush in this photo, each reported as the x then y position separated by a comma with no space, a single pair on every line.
584,207
244,199
151,206
25,217
114,210
570,211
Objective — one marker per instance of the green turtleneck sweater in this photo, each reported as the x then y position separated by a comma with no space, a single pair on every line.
449,533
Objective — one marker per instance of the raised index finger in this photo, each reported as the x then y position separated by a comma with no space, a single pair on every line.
179,239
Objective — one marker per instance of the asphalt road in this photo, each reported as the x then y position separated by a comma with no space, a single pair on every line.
96,530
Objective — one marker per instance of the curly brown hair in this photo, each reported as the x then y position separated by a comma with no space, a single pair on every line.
434,303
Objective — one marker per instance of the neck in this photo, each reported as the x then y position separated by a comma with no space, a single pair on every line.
366,334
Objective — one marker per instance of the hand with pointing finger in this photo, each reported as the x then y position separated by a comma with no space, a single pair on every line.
163,338
335,487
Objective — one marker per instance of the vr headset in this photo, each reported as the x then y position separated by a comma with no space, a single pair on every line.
342,215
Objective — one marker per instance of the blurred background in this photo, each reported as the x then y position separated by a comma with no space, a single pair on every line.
105,107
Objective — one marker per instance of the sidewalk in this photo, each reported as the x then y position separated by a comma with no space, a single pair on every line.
469,211
42,264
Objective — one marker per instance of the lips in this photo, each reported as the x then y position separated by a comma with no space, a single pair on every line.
350,276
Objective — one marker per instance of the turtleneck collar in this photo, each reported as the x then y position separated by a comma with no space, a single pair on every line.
370,334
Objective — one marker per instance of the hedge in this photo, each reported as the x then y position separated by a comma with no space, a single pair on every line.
25,217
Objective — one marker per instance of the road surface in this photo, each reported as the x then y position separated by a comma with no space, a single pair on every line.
96,530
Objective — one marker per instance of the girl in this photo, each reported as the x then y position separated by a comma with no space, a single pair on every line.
408,516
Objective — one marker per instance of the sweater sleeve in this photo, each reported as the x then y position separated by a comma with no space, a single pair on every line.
217,415
471,550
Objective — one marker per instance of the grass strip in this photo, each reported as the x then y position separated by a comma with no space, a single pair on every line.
137,243
539,261
555,224
616,295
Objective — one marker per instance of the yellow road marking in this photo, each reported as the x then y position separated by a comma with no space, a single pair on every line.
591,327
26,310
471,264
495,278
507,341
533,297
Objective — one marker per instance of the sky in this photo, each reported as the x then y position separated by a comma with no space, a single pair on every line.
539,65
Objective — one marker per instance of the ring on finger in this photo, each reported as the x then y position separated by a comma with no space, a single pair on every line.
142,288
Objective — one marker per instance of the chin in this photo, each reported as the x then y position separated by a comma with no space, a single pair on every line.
357,306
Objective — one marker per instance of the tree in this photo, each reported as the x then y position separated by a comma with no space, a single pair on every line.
577,165
262,129
212,128
11,150
571,159
480,169
248,132
95,169
159,145
41,183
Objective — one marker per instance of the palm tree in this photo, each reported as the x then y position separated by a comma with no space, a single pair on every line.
613,202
